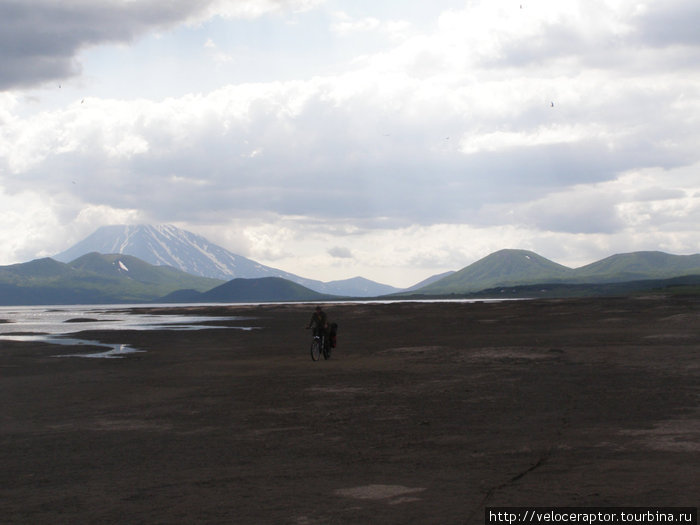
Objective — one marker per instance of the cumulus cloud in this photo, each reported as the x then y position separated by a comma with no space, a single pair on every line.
360,145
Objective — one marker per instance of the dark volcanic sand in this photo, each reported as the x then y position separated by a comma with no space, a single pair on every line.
426,413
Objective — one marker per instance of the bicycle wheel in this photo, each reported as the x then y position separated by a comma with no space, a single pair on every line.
326,350
315,349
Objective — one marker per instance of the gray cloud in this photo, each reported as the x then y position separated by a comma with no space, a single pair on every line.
40,39
340,252
669,23
656,194
640,28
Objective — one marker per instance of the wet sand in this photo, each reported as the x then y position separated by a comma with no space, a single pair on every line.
426,413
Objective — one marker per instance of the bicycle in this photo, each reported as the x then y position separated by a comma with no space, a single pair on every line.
320,345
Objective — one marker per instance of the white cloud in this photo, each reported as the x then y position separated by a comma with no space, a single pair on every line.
26,222
543,135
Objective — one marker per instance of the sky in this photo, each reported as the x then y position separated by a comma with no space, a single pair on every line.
333,138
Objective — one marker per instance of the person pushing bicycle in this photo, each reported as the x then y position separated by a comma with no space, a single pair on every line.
324,334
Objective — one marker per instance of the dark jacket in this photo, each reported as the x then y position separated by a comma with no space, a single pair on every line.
319,322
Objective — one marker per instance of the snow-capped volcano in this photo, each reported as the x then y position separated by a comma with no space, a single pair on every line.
166,245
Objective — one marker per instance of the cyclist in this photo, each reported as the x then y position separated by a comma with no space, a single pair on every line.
319,322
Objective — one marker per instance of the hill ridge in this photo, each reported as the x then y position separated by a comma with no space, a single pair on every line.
513,267
92,279
500,268
261,289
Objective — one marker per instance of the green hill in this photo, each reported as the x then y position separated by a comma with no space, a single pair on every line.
638,265
510,268
265,289
92,279
686,285
502,268
132,272
35,271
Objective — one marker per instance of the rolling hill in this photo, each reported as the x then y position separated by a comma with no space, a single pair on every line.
508,268
265,289
639,265
93,279
502,268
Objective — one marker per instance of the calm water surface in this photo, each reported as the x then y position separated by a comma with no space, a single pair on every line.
55,325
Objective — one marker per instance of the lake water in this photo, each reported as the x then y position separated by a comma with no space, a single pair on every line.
56,324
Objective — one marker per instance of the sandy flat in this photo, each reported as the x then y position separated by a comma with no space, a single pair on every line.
426,413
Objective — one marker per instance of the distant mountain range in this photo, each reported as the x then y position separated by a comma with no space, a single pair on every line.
193,254
116,278
521,267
